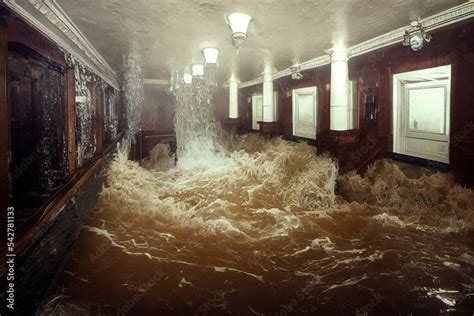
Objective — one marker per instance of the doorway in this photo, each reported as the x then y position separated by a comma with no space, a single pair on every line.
422,113
257,111
305,112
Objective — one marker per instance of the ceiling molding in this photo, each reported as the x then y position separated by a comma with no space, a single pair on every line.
445,18
51,20
250,83
456,14
310,64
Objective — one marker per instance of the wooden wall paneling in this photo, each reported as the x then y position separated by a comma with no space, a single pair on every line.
158,108
245,107
99,121
285,110
5,152
145,141
462,114
384,103
324,120
20,32
221,103
71,121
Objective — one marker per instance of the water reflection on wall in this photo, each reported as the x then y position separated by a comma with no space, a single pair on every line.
111,113
93,97
52,144
84,111
38,127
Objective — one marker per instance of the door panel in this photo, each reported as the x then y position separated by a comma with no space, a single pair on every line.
427,109
304,112
428,149
424,110
257,111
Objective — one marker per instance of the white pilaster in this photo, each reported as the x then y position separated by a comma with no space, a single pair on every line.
339,89
268,102
233,98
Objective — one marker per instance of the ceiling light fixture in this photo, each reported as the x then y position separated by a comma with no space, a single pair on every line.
210,55
295,72
198,70
416,36
239,23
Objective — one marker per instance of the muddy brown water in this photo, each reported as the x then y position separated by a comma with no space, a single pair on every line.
267,233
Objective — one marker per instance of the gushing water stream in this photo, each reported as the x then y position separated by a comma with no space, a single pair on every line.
252,226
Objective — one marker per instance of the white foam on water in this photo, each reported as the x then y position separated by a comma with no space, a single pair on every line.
252,196
389,219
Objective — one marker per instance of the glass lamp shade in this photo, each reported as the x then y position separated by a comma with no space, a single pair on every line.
239,22
198,70
210,55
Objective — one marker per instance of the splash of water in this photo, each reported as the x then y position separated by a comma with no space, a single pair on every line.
85,110
433,200
259,192
134,92
257,220
195,125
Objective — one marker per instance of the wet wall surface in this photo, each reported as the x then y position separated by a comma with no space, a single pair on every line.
38,267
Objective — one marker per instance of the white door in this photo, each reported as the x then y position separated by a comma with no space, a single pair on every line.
305,112
257,111
424,108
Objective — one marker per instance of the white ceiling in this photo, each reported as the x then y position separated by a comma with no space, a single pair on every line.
170,33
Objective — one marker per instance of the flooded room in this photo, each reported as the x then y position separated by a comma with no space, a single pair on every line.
237,157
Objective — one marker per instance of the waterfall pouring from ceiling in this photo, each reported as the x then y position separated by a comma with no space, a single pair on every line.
134,94
195,124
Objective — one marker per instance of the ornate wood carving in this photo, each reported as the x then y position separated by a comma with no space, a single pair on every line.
43,13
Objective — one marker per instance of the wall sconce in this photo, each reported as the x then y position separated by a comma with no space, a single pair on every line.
239,23
416,36
198,70
187,78
295,72
371,106
210,55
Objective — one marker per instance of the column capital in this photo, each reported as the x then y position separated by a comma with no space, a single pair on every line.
268,70
233,80
338,54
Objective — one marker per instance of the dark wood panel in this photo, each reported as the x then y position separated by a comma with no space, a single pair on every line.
22,33
145,141
353,149
270,128
99,118
230,124
4,123
245,107
319,78
37,88
71,122
54,206
158,108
